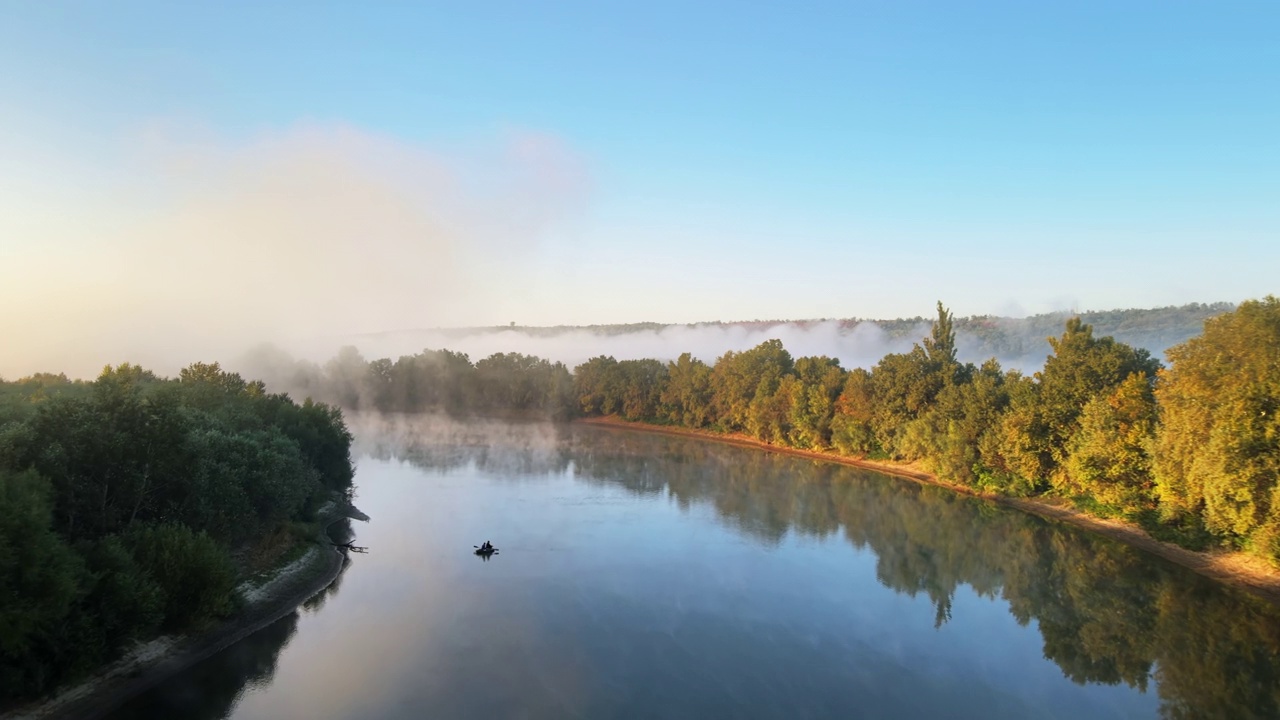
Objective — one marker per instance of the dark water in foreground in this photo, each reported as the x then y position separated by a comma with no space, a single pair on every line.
644,576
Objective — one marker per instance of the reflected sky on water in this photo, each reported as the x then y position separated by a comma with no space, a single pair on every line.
648,576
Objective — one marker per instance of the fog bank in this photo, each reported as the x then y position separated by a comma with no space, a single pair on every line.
1017,343
192,248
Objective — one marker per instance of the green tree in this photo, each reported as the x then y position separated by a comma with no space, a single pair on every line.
194,572
1017,455
597,384
940,346
906,387
1037,431
1109,458
110,454
852,431
812,400
686,398
1218,445
39,584
642,383
949,436
738,379
126,601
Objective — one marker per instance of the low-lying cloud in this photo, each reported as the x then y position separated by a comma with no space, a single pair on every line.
860,346
317,230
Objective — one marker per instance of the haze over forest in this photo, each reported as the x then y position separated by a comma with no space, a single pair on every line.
265,219
1018,343
667,165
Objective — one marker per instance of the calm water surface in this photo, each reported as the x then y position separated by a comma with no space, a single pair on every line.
653,577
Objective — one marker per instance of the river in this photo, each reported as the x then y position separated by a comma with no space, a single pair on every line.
644,576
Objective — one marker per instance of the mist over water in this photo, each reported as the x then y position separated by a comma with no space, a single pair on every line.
861,346
1016,343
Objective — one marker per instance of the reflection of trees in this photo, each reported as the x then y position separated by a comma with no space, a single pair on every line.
209,689
439,444
317,601
1220,658
1106,612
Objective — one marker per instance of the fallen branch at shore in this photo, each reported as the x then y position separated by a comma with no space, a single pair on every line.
351,547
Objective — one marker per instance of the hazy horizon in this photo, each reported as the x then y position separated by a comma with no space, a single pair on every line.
856,342
186,182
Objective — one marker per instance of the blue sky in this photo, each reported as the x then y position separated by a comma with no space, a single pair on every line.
720,160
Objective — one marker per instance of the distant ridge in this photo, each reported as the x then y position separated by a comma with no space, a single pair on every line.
1155,329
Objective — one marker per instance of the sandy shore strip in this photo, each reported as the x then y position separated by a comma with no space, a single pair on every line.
1235,569
150,663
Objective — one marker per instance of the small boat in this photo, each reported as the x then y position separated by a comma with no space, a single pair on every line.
486,551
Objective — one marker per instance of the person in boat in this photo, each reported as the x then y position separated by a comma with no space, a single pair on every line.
487,545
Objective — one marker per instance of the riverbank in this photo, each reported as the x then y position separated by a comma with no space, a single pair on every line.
152,662
1230,568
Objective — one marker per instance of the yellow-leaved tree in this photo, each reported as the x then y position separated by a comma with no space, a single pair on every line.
1218,445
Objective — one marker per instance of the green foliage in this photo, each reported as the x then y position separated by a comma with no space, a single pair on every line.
1087,426
39,581
642,382
851,430
120,500
597,386
1110,457
194,573
949,437
741,380
1218,446
124,596
243,483
1202,449
511,381
1037,433
686,399
1081,368
811,402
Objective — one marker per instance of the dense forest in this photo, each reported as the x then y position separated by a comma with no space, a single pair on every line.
133,505
1190,451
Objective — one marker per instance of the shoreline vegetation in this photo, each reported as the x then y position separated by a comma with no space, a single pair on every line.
1187,449
1236,569
134,505
139,512
151,663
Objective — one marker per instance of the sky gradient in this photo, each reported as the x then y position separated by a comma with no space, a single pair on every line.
383,166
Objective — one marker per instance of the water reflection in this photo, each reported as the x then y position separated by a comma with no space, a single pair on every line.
1106,613
210,689
596,614
317,601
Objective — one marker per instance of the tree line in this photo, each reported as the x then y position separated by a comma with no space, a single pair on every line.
132,505
1191,451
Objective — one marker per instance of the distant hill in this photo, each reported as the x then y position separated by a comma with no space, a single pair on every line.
1015,341
1155,329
